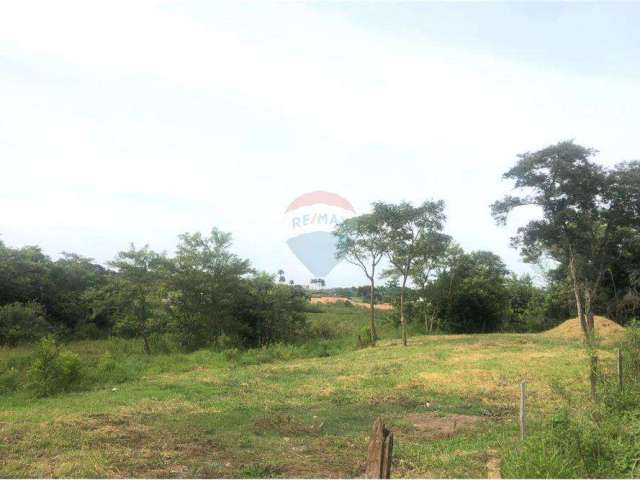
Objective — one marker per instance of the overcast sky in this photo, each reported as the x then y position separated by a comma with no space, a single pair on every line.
136,121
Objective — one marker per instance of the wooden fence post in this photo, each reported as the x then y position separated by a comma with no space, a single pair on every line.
523,410
620,372
380,451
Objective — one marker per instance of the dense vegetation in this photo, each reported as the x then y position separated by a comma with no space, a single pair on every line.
203,295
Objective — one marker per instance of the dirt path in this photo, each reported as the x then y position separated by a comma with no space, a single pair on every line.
332,300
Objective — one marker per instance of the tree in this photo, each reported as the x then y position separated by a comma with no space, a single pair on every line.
205,278
588,214
269,312
281,277
471,295
361,242
431,258
28,275
68,300
22,323
24,275
527,305
137,284
406,231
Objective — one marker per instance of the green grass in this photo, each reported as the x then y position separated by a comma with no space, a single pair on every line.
291,411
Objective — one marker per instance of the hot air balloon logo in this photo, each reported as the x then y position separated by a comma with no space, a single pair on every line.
311,219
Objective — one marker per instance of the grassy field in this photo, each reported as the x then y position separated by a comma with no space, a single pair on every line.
450,400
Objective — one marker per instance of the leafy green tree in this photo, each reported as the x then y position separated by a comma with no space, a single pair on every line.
137,286
588,213
430,261
406,231
361,241
28,275
21,323
471,295
526,310
24,275
70,279
206,277
269,312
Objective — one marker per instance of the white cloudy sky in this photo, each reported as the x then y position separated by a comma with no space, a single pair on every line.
136,121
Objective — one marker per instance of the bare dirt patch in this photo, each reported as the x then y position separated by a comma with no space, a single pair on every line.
331,300
431,425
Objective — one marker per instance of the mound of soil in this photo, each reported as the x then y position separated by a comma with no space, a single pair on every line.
571,329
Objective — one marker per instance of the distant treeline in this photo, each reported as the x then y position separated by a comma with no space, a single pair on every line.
204,294
473,293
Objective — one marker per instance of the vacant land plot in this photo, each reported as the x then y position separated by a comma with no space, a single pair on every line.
450,400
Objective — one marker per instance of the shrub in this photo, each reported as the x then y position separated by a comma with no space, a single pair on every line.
21,323
53,369
110,371
364,337
323,328
313,308
163,343
322,349
9,380
87,331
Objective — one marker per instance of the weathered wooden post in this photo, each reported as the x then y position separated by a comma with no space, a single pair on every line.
620,372
380,451
523,410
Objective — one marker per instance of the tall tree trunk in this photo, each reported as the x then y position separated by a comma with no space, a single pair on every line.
588,313
372,320
143,327
424,309
426,320
576,291
145,339
403,322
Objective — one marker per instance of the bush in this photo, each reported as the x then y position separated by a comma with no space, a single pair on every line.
21,323
9,380
323,328
163,343
53,370
313,308
110,371
87,331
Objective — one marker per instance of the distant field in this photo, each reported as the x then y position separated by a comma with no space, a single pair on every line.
275,414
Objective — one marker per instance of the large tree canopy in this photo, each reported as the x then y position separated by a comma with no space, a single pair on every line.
588,215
